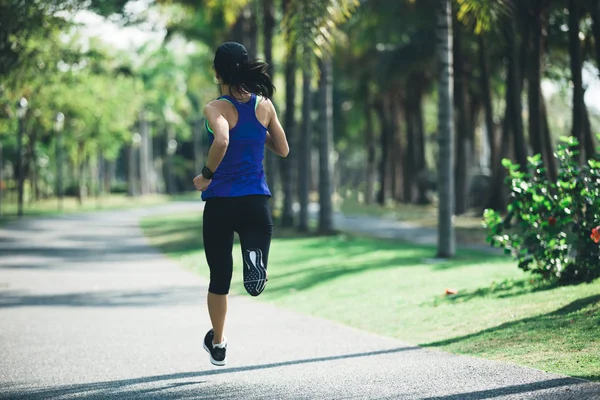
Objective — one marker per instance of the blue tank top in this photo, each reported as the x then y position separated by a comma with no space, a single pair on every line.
241,172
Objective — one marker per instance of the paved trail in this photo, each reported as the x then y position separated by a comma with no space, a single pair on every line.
89,311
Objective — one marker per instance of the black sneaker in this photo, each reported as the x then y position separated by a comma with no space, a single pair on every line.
218,353
255,273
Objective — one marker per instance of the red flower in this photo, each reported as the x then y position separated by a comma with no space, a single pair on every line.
552,221
596,234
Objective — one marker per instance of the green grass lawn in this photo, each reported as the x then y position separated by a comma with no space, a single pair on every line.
395,289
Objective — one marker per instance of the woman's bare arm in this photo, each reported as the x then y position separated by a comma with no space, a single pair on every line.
276,139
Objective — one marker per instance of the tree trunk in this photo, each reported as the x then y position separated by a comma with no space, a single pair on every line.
326,149
463,144
370,144
534,82
595,12
170,155
305,152
81,186
381,107
589,143
131,171
446,241
1,179
144,155
237,31
288,164
20,170
197,132
410,156
421,168
576,79
496,199
268,26
252,32
33,168
397,155
487,101
59,170
515,77
108,175
549,159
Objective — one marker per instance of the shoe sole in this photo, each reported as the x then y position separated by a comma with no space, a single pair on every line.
212,360
255,274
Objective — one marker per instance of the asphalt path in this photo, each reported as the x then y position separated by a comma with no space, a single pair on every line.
88,310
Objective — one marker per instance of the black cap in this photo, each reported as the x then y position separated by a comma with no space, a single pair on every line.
230,53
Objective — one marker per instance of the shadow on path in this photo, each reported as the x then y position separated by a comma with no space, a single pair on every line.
167,296
125,388
526,388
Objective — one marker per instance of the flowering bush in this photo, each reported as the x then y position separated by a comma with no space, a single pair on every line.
552,228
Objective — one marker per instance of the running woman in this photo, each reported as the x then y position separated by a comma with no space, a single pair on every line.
240,124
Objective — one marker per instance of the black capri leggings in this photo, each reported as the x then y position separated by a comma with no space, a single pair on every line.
250,217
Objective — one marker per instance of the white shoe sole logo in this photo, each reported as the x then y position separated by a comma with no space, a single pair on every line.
256,277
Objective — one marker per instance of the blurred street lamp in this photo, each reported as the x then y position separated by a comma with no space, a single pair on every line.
172,147
21,111
59,123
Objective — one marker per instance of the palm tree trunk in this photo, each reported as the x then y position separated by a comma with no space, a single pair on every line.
496,200
463,144
370,144
410,156
1,178
33,181
575,58
381,107
397,156
534,82
549,159
419,126
288,164
144,156
515,79
325,150
20,170
268,26
446,240
487,100
595,12
305,152
197,143
589,142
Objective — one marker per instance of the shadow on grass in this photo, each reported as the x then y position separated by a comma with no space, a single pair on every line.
572,326
504,289
333,256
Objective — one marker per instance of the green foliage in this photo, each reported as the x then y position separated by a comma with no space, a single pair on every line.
483,14
550,226
313,27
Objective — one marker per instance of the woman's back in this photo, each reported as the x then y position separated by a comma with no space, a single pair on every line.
241,171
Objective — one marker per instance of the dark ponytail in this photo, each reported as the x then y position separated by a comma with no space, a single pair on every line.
255,79
248,76
239,72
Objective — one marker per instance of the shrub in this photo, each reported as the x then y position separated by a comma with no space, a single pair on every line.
552,228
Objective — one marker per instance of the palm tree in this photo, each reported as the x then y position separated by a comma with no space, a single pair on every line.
446,245
595,13
288,164
311,26
325,149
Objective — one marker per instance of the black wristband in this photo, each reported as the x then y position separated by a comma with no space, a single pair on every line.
207,173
